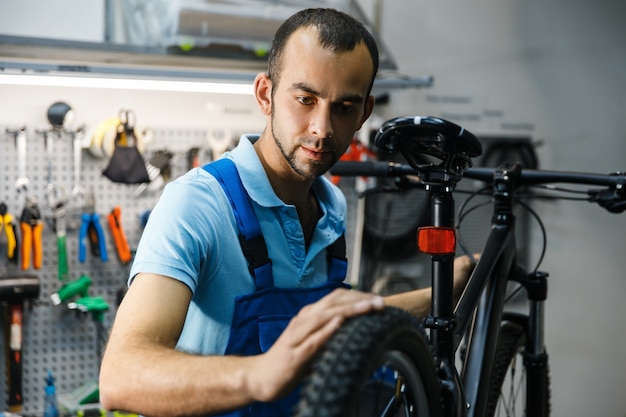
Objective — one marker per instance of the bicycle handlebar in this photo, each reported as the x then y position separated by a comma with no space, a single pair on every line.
613,199
371,169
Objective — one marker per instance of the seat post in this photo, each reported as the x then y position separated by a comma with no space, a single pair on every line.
442,306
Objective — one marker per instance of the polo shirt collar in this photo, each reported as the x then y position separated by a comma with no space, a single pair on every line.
259,187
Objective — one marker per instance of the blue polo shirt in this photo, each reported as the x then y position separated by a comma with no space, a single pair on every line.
191,236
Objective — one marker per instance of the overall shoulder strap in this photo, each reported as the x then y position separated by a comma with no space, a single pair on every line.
250,236
337,261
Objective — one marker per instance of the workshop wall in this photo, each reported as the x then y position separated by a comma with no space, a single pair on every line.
55,337
551,71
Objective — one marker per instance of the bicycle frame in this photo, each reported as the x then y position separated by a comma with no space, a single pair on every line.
480,309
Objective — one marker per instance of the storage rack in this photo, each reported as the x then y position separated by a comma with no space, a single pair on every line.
54,337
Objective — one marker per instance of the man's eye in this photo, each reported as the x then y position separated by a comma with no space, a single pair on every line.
345,108
305,100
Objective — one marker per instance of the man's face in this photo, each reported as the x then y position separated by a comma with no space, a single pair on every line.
319,102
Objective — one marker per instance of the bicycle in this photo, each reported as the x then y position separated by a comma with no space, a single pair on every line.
389,364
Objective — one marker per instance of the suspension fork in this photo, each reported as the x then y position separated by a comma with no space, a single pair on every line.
535,355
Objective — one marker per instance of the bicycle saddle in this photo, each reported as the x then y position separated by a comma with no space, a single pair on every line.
438,149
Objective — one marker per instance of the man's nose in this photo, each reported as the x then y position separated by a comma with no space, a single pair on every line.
321,123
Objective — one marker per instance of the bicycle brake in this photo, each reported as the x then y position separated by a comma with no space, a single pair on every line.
613,199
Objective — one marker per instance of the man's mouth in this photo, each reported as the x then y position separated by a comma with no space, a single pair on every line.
314,154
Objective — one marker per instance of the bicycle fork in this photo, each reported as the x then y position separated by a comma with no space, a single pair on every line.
535,355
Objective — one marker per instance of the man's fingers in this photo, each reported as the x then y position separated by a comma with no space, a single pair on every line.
368,304
337,306
314,342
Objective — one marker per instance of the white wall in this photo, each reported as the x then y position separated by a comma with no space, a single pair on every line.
556,71
73,20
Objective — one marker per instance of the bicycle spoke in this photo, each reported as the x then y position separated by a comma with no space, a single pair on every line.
508,405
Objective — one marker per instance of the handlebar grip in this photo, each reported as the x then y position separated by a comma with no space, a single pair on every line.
371,169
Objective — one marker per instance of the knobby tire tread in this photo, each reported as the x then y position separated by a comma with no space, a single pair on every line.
352,354
510,343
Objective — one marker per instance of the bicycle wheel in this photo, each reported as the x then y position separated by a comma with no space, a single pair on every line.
375,365
508,393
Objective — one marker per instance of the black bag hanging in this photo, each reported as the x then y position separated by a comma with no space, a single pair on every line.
126,166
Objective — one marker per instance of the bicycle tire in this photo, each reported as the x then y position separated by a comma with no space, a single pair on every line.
508,394
380,359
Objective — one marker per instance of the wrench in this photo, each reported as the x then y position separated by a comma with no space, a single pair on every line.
54,195
22,183
79,193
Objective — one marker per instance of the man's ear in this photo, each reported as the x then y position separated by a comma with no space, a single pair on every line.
263,93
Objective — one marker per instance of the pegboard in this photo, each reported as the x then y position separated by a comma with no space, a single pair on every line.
55,338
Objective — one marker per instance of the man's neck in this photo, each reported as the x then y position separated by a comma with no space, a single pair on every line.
289,187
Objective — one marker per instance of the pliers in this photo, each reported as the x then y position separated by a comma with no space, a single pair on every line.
6,223
31,226
91,229
119,236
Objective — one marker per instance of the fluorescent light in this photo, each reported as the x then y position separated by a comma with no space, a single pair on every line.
125,83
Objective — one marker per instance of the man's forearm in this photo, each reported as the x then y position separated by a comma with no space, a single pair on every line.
416,302
165,382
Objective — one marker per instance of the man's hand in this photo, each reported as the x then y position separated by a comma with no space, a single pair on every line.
278,371
463,267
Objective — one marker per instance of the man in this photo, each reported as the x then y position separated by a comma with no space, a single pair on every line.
174,347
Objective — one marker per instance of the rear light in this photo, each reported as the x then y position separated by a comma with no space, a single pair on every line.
434,240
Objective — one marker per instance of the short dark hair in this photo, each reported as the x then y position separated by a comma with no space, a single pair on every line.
337,30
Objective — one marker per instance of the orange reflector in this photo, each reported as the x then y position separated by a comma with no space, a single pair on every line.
434,240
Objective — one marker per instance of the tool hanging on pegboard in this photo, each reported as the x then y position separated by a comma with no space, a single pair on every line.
91,230
58,338
8,234
159,171
14,292
61,117
127,165
31,223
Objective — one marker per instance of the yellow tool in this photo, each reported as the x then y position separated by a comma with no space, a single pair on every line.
6,223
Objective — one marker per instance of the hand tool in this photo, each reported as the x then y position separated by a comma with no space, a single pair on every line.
159,171
51,407
56,200
31,227
14,366
60,226
114,219
21,185
13,292
91,229
53,193
7,224
70,290
78,192
97,306
31,224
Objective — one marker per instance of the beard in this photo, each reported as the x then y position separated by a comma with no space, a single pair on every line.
309,169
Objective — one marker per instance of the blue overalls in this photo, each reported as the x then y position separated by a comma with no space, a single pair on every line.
259,318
